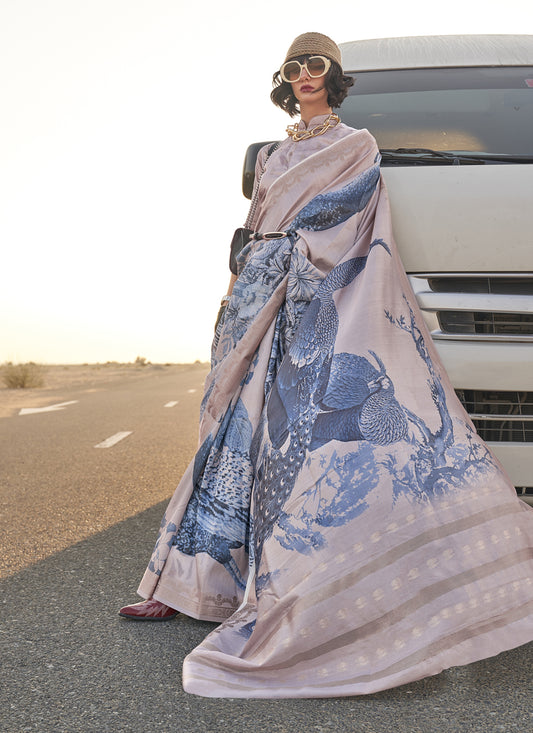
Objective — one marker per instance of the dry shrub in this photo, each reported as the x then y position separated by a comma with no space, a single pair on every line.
22,376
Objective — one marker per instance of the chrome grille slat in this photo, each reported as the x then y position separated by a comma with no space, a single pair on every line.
476,306
492,338
495,418
477,302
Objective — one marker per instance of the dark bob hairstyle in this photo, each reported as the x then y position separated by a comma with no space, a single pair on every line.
336,83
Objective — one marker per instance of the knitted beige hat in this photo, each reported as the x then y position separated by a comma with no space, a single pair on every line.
314,44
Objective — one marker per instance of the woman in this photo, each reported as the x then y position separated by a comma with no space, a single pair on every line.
341,519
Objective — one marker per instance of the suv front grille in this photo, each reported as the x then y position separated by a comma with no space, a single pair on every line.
498,284
470,322
500,416
476,307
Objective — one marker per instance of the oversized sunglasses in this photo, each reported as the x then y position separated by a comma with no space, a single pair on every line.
315,66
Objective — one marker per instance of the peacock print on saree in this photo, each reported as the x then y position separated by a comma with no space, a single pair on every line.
217,518
341,521
320,397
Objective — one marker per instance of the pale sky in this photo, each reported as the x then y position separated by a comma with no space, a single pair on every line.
123,129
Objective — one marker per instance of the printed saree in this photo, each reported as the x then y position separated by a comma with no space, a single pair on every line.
341,519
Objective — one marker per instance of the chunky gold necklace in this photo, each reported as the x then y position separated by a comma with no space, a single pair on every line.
331,121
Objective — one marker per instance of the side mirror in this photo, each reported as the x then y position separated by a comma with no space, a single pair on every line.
248,171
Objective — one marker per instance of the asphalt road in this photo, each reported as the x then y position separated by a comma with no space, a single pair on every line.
78,525
57,489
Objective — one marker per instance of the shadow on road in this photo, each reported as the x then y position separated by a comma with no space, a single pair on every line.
69,663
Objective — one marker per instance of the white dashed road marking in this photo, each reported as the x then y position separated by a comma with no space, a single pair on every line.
190,391
50,408
114,439
171,404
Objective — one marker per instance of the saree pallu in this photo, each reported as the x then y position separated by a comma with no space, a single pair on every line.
342,518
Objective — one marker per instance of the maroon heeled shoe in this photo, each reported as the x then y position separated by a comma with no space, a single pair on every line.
150,610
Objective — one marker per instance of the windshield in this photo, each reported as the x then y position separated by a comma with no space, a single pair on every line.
479,110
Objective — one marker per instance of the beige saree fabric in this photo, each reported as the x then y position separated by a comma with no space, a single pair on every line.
341,517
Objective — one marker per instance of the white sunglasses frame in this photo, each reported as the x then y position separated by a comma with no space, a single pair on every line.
327,63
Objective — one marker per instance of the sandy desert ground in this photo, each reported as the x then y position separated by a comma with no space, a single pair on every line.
60,380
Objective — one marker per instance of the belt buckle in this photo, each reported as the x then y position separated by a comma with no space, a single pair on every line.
273,235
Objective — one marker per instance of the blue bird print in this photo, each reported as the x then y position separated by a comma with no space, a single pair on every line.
358,404
332,208
216,520
228,464
306,368
294,400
